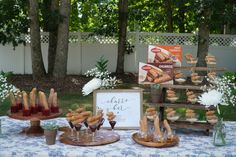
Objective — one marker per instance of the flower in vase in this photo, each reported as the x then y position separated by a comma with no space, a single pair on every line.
92,85
6,88
209,98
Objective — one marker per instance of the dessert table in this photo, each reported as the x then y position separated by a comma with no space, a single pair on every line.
14,144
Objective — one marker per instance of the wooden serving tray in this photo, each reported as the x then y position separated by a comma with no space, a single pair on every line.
39,115
105,137
168,143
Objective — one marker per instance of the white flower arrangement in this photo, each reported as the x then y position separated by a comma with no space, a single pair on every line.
224,85
6,88
102,79
92,85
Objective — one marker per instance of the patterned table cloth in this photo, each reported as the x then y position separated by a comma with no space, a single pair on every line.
12,144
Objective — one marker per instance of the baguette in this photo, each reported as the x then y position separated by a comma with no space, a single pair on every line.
167,126
44,101
54,100
51,96
157,127
25,100
13,100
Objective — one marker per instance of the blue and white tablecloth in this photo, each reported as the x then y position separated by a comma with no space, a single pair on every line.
15,145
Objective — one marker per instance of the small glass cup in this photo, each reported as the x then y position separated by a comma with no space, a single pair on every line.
112,124
77,128
71,130
158,138
99,126
174,117
93,129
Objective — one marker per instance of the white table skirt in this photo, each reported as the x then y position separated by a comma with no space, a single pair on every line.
12,144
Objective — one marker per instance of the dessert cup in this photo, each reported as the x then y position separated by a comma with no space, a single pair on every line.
93,130
192,101
199,81
172,99
192,119
54,109
20,106
212,121
34,110
46,112
112,123
71,130
14,109
180,80
26,112
77,128
173,118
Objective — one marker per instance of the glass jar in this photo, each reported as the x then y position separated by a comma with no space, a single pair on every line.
219,133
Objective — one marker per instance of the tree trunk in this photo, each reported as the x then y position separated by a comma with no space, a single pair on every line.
60,66
181,16
169,15
122,26
52,47
38,68
203,37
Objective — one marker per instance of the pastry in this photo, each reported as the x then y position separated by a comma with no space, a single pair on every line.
13,100
171,96
157,130
86,113
168,129
25,100
151,113
54,99
50,97
171,114
44,101
79,110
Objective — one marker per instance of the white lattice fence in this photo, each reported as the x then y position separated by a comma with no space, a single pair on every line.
146,38
86,48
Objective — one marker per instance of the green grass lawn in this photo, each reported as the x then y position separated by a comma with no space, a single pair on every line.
72,100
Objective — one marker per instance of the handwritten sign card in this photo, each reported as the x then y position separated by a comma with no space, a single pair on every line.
125,103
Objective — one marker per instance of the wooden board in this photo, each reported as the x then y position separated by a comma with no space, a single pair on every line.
105,137
121,102
199,125
201,68
193,87
39,116
168,143
181,105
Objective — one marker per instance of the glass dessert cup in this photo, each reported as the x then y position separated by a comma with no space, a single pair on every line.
198,81
192,62
192,100
71,136
98,128
112,123
212,121
151,116
174,117
180,80
77,128
93,129
87,128
172,99
192,119
158,138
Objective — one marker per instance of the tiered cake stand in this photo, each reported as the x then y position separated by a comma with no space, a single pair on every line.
35,129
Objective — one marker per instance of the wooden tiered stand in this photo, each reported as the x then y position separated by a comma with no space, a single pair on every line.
35,129
199,125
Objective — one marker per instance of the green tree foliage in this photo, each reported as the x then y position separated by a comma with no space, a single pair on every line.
13,21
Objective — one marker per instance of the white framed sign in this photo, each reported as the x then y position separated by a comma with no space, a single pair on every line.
127,105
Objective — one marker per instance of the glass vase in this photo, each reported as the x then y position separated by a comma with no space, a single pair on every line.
219,133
